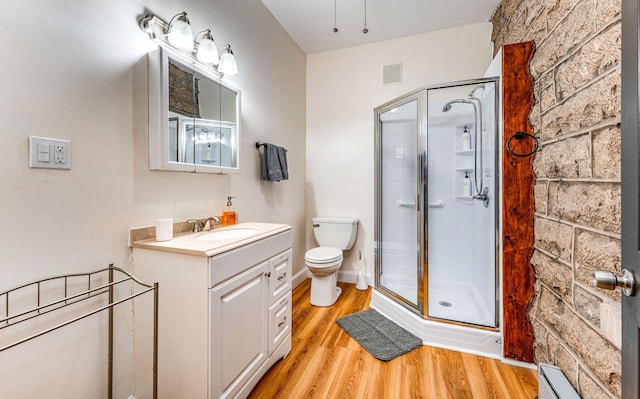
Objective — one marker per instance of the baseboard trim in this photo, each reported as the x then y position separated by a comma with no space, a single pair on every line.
347,276
299,277
518,363
351,277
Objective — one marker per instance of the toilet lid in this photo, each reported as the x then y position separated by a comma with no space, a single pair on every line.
323,255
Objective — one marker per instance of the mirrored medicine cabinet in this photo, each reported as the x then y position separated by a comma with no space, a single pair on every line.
193,117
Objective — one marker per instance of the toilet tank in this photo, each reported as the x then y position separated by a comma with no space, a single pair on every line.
336,232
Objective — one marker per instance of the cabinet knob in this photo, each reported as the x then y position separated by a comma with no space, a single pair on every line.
282,322
283,276
268,274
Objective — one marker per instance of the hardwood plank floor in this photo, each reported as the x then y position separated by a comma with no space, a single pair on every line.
325,362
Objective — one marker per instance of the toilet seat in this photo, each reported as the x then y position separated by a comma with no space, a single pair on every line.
323,256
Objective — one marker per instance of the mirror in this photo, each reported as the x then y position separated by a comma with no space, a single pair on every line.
193,117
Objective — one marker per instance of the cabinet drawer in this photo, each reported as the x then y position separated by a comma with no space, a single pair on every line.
229,264
279,275
279,321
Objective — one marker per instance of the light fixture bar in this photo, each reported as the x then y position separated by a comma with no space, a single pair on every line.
157,30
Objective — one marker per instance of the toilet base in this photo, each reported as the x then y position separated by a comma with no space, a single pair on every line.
324,290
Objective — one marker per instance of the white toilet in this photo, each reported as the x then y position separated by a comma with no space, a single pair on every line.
334,234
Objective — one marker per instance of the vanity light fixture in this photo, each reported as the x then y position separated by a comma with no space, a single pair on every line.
177,35
228,65
206,49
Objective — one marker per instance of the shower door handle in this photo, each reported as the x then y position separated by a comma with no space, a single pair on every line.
405,204
436,204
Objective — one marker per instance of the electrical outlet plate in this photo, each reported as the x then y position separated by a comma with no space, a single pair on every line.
49,153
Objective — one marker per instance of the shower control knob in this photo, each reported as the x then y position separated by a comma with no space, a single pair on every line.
609,281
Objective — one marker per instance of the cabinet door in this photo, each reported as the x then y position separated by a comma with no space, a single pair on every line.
279,275
239,330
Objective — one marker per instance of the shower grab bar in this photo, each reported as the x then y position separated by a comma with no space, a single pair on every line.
436,204
405,204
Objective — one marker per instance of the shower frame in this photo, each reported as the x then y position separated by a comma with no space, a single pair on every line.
421,96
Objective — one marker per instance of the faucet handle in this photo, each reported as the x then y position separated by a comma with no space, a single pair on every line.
196,225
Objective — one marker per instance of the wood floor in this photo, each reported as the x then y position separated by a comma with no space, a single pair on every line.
325,362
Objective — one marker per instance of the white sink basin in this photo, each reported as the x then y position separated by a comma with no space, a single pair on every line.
228,234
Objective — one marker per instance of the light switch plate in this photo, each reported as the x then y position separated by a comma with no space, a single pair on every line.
49,153
44,152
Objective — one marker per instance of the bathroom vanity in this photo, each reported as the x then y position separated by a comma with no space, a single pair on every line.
224,308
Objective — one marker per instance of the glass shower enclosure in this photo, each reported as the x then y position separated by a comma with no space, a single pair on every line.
437,197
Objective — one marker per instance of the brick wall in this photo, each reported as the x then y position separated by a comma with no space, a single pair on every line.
183,92
576,115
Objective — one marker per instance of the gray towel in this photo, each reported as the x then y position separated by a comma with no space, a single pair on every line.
273,163
264,175
282,157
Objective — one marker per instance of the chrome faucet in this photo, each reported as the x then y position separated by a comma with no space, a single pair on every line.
199,225
211,220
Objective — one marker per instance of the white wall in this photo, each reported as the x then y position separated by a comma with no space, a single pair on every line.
343,88
77,70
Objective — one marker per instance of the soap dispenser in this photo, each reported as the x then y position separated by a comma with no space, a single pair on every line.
466,185
466,140
229,214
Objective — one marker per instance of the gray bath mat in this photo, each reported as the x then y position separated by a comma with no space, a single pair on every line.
381,337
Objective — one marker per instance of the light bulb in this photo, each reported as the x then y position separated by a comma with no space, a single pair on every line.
180,34
228,65
207,51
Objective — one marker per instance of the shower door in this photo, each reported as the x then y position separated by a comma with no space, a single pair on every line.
437,202
462,221
397,186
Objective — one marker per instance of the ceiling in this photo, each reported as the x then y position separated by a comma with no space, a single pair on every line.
310,22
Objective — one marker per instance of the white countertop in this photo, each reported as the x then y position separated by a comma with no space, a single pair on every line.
189,244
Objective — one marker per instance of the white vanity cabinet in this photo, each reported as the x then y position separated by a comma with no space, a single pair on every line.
224,320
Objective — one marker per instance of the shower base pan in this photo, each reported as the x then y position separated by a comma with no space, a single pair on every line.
471,340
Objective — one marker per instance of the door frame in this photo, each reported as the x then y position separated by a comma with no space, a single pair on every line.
630,176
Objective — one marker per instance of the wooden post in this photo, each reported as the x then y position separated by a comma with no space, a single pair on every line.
517,203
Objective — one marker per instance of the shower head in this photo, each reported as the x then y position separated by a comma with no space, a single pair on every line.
473,92
447,106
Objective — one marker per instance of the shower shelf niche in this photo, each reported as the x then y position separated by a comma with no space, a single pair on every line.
463,160
458,130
